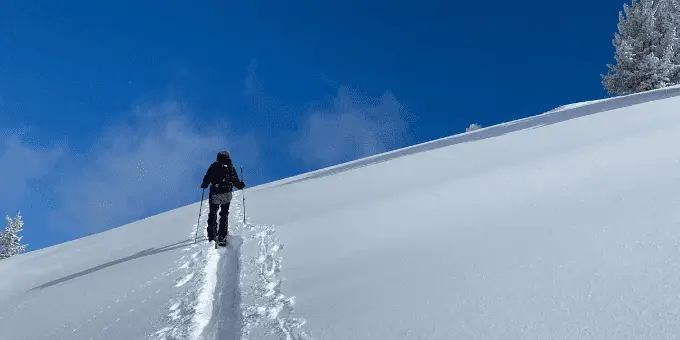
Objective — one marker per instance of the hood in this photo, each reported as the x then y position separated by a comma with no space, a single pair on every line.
223,157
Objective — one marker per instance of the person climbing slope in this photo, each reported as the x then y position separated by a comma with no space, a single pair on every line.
221,176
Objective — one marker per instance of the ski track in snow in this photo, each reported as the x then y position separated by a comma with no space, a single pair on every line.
206,296
178,322
217,304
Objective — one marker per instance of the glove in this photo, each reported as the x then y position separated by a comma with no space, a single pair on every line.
204,185
241,185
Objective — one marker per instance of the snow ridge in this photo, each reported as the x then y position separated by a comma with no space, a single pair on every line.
206,295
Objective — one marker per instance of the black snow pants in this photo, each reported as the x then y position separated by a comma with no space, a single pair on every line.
212,221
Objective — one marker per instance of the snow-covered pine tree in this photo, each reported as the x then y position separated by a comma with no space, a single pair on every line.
3,239
473,127
10,239
645,48
668,24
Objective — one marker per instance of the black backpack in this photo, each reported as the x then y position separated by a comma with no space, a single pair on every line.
224,177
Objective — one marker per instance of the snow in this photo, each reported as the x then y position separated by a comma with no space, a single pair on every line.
561,225
206,295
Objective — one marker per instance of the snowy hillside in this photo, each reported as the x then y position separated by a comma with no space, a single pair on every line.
563,225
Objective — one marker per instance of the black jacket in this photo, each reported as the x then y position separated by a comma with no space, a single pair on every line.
222,175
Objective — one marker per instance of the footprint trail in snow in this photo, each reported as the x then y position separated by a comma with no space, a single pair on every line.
233,292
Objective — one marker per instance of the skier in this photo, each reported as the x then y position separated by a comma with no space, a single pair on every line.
222,175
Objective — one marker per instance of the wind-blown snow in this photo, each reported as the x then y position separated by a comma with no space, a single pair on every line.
561,225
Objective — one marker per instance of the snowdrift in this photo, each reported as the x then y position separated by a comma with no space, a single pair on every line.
561,225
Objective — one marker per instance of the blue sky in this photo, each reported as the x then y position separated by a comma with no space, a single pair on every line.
111,112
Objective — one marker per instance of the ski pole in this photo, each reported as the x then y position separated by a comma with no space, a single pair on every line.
243,197
200,210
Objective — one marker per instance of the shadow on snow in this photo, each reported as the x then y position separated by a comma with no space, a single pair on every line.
147,252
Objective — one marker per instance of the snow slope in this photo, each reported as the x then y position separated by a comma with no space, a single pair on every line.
562,225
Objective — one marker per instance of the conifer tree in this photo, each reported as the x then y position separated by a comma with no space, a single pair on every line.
646,48
9,238
473,127
668,24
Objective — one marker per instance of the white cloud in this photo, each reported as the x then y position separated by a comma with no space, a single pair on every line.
154,161
148,166
22,164
354,126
